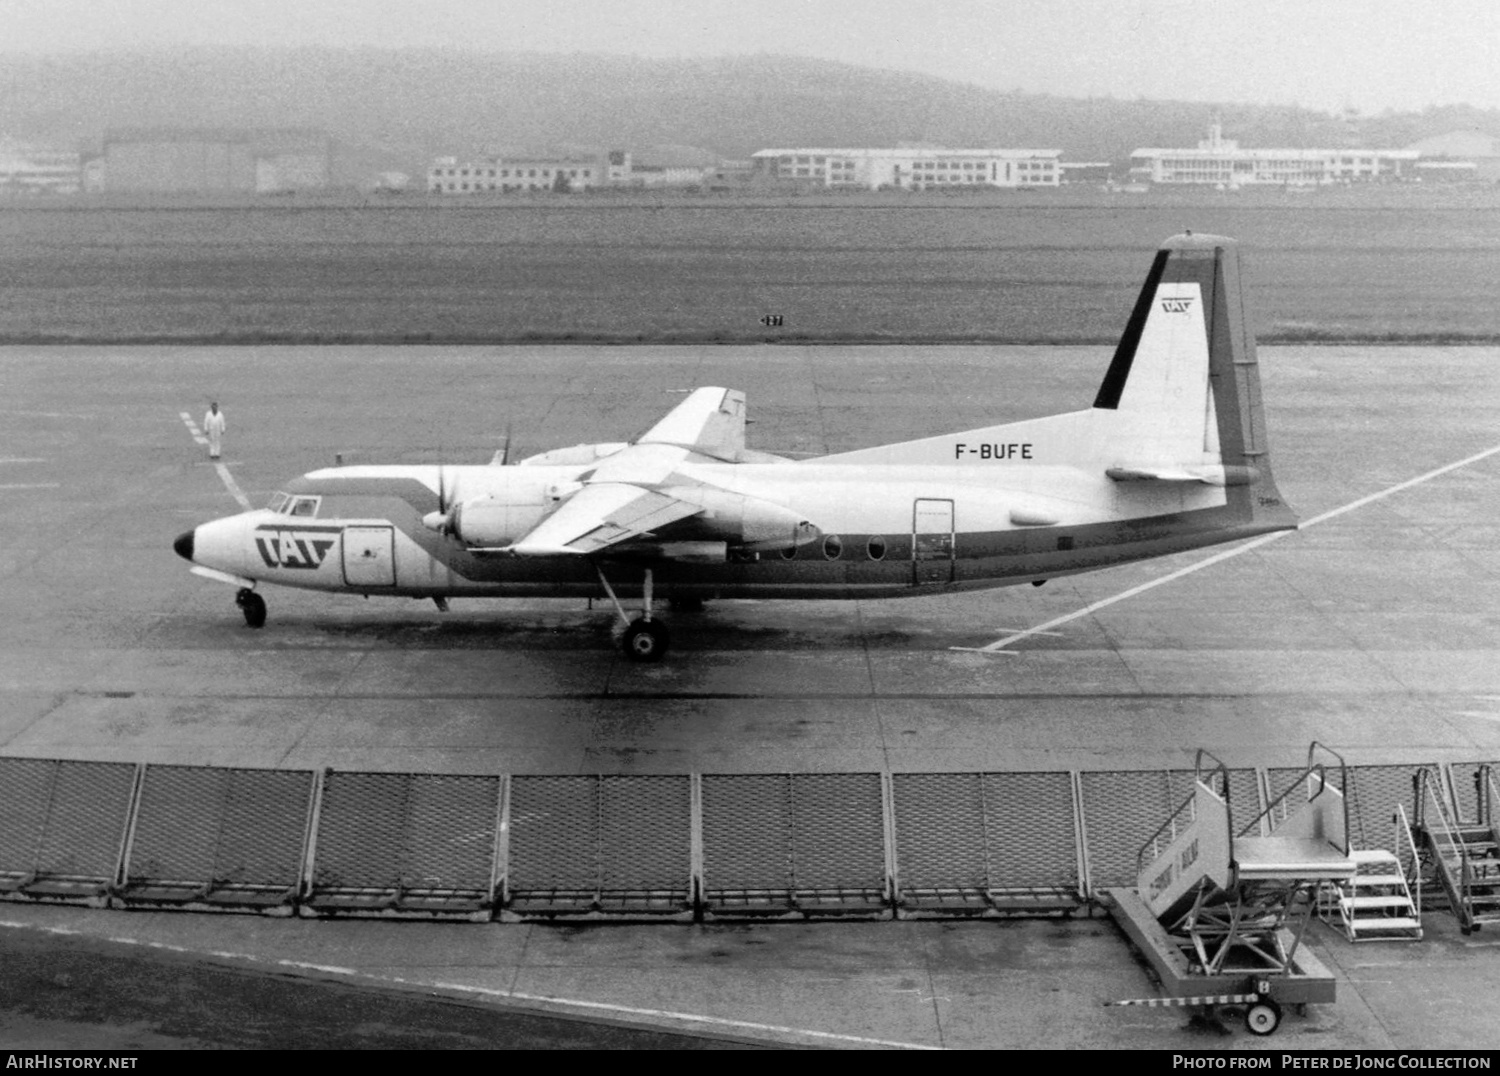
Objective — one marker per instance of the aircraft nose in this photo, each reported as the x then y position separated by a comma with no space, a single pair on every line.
184,545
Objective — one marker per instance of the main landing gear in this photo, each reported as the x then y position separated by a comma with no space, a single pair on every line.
645,639
253,606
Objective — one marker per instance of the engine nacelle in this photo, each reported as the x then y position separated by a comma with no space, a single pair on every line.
748,523
488,522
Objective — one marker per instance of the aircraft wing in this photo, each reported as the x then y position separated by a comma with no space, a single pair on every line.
711,422
600,515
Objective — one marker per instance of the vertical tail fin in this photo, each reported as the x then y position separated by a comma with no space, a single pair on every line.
1184,383
1184,380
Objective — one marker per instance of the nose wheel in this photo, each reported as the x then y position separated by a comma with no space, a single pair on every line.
645,639
253,606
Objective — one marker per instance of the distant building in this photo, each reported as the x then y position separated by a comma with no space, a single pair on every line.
450,176
618,166
26,168
1220,162
729,174
197,159
911,169
661,175
1097,172
1469,155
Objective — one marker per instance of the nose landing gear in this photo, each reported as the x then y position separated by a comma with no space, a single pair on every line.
253,606
645,639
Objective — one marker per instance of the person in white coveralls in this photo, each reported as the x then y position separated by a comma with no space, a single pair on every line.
213,426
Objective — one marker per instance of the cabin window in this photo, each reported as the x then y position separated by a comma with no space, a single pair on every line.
304,506
789,553
833,545
277,502
876,547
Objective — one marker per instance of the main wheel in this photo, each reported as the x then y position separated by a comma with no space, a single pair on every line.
646,640
1263,1017
253,606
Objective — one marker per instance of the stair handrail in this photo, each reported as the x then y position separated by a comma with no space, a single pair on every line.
1154,844
1218,769
1403,833
1487,793
1152,849
1221,771
1345,790
1296,784
1454,842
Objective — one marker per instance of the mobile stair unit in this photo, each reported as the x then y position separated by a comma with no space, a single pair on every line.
1219,911
1464,854
1383,899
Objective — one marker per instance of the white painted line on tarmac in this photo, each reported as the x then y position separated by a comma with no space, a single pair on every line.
232,486
187,420
228,479
1488,715
997,647
509,995
27,485
668,1014
45,414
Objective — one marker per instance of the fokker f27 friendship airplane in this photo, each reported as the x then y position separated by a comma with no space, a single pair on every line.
1171,456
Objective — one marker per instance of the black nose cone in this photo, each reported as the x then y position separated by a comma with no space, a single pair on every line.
184,545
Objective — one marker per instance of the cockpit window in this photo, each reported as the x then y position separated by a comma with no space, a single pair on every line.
304,506
278,502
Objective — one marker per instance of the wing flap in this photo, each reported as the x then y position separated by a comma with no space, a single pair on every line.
599,516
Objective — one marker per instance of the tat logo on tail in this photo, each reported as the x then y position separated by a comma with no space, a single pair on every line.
1176,306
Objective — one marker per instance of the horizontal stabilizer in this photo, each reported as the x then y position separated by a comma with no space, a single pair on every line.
1155,474
1227,475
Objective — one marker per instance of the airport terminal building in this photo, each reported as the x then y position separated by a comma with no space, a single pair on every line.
1221,162
911,169
449,175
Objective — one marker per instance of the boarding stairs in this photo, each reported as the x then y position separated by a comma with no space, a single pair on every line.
1238,899
1382,900
1464,853
1220,910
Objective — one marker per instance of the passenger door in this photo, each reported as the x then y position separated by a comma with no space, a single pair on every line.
932,542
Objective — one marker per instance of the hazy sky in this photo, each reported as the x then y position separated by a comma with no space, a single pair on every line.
1325,54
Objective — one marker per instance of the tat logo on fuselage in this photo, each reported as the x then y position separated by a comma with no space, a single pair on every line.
1177,306
295,547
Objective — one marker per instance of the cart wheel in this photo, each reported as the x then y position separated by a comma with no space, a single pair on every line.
1263,1017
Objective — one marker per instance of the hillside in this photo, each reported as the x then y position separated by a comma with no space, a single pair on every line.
400,108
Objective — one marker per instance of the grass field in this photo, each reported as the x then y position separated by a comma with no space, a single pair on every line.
1021,270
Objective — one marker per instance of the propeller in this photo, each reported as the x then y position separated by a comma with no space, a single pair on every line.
441,520
502,457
